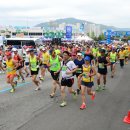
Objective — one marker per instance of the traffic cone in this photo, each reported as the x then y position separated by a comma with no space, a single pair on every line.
127,118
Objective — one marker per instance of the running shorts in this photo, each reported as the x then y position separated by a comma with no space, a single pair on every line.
55,76
87,84
67,82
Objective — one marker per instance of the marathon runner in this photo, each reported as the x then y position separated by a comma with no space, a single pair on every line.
45,60
103,61
87,81
26,62
34,68
126,51
94,52
79,61
11,67
1,63
19,60
54,68
113,59
121,56
68,68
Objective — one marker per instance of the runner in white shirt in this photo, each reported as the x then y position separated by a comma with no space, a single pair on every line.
68,68
26,62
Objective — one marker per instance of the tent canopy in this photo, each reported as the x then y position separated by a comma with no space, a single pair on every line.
83,38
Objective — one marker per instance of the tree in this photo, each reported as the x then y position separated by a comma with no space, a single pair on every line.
88,34
95,38
128,37
101,37
92,35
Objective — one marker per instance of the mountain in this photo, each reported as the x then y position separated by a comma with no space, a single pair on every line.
60,21
74,21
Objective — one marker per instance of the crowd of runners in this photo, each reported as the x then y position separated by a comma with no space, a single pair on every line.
87,65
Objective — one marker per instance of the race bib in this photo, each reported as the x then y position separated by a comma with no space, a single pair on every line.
85,75
64,68
101,65
54,65
33,65
79,70
113,59
9,69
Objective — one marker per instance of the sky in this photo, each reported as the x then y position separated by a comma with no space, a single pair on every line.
32,12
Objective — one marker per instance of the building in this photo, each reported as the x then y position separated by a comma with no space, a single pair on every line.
28,32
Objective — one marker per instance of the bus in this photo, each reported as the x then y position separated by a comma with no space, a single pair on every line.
20,42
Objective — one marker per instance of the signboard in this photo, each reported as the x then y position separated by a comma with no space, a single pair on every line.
109,33
69,32
118,33
54,34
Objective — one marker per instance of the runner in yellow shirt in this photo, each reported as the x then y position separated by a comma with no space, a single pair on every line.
126,51
11,71
44,60
122,57
87,81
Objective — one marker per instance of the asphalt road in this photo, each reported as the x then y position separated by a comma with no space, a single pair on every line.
30,110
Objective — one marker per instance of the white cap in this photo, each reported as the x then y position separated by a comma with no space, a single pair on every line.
14,49
43,48
27,49
79,54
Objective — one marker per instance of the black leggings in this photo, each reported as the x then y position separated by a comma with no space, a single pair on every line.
121,62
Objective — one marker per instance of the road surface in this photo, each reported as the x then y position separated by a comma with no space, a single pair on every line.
30,110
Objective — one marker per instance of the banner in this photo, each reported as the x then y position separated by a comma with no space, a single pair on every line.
109,33
69,32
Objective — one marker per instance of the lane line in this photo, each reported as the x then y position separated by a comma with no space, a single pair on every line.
18,86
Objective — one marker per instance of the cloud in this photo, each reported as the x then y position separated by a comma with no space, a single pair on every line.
110,12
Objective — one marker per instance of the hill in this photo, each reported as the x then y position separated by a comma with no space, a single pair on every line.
74,21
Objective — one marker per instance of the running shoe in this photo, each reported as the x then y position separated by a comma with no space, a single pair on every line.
78,91
104,87
83,106
63,104
112,76
74,94
42,79
93,96
23,81
98,88
52,95
18,77
27,75
12,90
37,89
15,84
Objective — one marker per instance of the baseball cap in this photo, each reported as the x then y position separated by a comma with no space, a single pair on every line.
87,58
27,49
79,54
14,49
43,48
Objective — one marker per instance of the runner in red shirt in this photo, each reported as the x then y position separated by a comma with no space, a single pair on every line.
19,60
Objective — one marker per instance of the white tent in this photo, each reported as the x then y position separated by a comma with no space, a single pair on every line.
83,38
